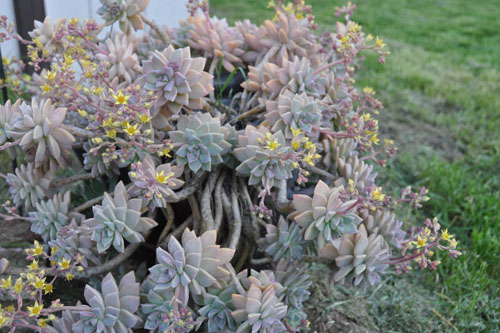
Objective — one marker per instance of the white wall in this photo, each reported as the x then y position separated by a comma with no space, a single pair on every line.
167,12
9,48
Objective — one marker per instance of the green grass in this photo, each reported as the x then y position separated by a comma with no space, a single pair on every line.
440,88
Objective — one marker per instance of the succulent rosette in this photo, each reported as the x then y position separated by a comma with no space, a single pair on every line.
216,39
217,309
120,58
126,12
356,170
260,154
177,80
117,219
360,259
40,128
8,113
283,241
190,266
154,184
199,142
293,111
28,185
113,309
259,310
45,33
50,216
326,216
384,223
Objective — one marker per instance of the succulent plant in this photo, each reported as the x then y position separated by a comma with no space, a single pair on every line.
111,310
155,184
126,12
118,219
295,283
28,185
292,111
336,149
8,114
295,290
284,241
123,62
360,172
177,80
260,153
360,259
46,34
217,309
216,40
192,266
291,36
50,216
75,239
384,223
199,142
40,129
93,161
259,311
159,304
326,216
263,81
65,323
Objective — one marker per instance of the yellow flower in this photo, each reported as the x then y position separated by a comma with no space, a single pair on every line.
131,130
38,250
82,113
295,144
374,139
453,243
10,308
445,235
64,264
42,322
73,21
97,141
3,319
162,178
310,157
33,265
296,132
108,123
68,61
69,276
368,91
7,283
271,143
120,98
50,75
35,310
111,133
48,288
38,284
379,43
420,242
378,195
165,152
145,118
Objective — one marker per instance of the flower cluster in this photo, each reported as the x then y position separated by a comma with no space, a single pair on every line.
251,136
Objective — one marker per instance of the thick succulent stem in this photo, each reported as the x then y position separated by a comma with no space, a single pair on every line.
236,232
247,114
283,205
170,216
188,190
249,206
206,202
75,131
72,179
261,261
218,201
320,172
197,219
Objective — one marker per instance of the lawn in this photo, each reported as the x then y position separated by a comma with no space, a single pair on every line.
440,88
